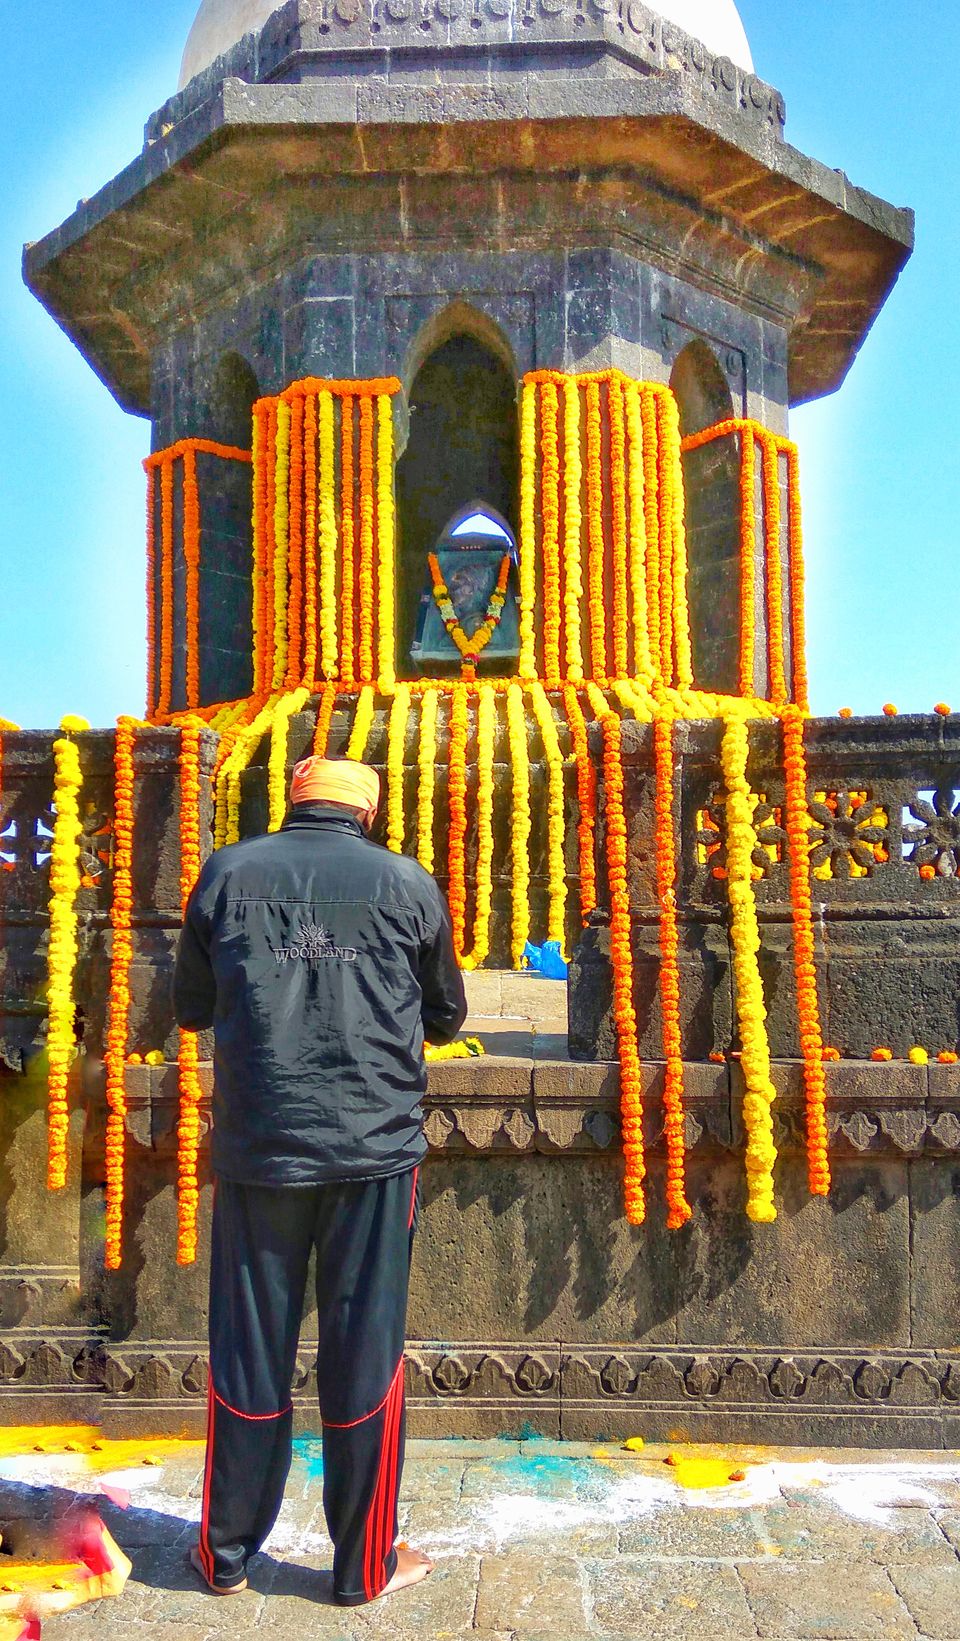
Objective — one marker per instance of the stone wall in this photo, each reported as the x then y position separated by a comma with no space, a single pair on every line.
535,1306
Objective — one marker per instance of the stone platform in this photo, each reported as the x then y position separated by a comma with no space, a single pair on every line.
539,1539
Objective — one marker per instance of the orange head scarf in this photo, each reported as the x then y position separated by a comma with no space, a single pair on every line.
335,780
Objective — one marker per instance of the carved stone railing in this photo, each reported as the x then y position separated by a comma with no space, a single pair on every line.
835,1324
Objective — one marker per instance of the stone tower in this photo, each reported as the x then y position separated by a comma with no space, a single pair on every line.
456,192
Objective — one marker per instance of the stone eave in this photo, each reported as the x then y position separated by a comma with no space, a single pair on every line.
845,246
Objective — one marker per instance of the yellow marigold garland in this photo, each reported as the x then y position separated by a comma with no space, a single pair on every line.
281,534
191,1093
227,825
62,950
651,512
678,1208
294,644
121,956
457,805
277,764
557,870
745,939
621,954
527,665
665,489
572,529
550,503
426,777
486,731
637,538
362,724
310,539
796,820
327,537
519,823
396,739
347,568
748,531
618,500
386,545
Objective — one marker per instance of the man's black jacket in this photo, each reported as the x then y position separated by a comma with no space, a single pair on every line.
322,961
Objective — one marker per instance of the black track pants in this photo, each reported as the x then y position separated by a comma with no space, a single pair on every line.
261,1244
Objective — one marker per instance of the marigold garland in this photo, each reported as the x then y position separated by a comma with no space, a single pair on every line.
595,535
328,701
365,580
62,951
798,632
152,702
557,870
796,820
651,514
621,955
426,777
745,940
771,518
486,731
115,1052
259,588
618,500
347,576
294,640
550,506
471,646
457,803
362,724
748,534
519,824
308,671
327,528
396,739
680,608
637,538
678,1208
586,798
386,545
572,527
665,486
166,587
527,665
277,764
191,1092
281,533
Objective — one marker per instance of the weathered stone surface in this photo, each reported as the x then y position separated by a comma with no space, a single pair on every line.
828,1600
531,1592
669,1601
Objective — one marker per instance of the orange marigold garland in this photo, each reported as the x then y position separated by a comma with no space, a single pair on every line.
328,701
366,539
798,619
678,1208
115,1056
152,702
637,542
457,797
259,588
572,531
621,951
586,798
665,488
191,1093
166,587
550,503
808,1006
771,516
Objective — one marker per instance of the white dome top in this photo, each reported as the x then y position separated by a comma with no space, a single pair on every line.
219,24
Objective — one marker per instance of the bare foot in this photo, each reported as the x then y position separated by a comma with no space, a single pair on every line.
197,1565
412,1566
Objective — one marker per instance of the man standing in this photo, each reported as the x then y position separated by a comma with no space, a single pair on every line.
322,962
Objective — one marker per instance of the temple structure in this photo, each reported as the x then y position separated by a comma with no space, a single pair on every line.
468,332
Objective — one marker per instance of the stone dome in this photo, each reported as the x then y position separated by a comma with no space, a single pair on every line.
219,24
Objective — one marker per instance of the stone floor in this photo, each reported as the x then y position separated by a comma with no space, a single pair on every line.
536,1539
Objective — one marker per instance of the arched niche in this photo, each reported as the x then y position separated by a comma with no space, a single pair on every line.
462,447
234,390
711,477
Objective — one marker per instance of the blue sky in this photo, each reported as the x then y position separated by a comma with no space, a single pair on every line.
870,87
